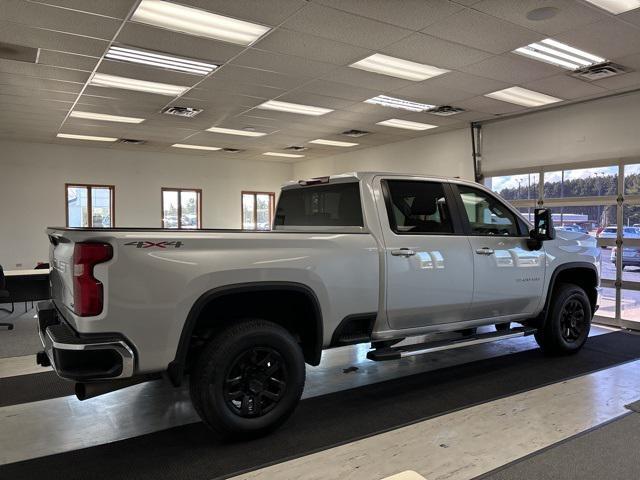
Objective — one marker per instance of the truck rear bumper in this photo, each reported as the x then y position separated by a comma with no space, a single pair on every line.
81,358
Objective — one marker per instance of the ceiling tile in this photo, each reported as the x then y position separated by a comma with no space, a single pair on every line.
312,47
414,14
565,87
157,39
43,71
58,19
626,81
250,10
422,48
608,38
277,62
467,82
370,80
112,8
67,60
632,16
570,13
489,105
434,94
233,92
345,27
253,76
39,83
482,31
339,90
512,69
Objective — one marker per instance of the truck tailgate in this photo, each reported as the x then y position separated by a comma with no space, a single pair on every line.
61,260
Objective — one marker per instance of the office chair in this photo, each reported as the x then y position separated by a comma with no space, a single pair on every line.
4,295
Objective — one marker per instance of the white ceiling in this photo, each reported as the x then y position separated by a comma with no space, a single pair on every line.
303,59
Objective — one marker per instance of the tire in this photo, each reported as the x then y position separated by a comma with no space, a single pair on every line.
567,326
248,379
502,327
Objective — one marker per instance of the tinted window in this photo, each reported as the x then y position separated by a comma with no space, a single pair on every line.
418,207
322,205
486,215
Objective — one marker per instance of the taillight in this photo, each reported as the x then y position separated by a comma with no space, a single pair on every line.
87,290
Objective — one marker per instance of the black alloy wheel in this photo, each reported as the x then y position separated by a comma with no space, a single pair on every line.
572,320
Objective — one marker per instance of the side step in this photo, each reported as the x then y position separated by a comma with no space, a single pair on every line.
395,353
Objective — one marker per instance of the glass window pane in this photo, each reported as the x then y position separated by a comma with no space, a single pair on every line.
247,211
607,302
77,206
418,207
515,187
263,211
581,182
189,206
595,220
632,179
101,206
630,305
486,215
169,209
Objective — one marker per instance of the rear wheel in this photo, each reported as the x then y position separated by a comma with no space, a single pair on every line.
568,323
248,379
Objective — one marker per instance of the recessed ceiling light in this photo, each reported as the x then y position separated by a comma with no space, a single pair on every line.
399,103
197,22
333,143
277,154
557,53
86,137
397,67
114,81
105,117
524,97
195,147
233,131
293,108
168,62
616,6
397,123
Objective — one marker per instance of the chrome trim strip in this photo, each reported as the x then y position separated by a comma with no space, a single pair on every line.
468,343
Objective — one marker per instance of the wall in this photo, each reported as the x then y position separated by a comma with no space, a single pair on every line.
32,179
447,153
600,129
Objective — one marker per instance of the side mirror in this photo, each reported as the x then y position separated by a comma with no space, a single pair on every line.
542,227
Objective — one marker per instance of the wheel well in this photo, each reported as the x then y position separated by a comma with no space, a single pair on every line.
295,309
584,277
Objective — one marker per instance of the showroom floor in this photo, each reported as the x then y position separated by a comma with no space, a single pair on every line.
455,415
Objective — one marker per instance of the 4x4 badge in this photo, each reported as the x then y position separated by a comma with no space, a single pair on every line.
146,244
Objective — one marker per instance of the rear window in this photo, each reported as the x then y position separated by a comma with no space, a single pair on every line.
610,230
329,205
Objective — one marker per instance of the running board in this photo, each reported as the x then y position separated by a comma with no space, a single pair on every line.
395,353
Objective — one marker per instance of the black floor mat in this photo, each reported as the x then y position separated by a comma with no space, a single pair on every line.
189,452
32,388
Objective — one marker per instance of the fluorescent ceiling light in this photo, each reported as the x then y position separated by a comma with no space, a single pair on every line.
616,6
399,103
557,53
396,67
397,123
195,147
524,97
105,117
169,62
86,137
333,143
288,155
294,108
197,22
114,81
233,131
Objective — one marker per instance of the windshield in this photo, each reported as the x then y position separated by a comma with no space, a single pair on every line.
329,205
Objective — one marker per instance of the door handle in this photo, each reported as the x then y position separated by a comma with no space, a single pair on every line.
484,251
403,252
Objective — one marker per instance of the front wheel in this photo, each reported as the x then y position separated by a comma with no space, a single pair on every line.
568,322
248,379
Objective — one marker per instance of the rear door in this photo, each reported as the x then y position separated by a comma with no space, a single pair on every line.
428,259
508,276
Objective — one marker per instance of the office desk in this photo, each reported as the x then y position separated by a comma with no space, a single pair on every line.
27,285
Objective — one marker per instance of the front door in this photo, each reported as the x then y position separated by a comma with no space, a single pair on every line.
428,259
508,276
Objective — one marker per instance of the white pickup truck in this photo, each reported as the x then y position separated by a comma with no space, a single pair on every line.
355,258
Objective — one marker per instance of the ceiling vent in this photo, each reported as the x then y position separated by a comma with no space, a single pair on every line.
188,112
355,133
445,110
19,53
297,148
232,150
599,71
132,141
